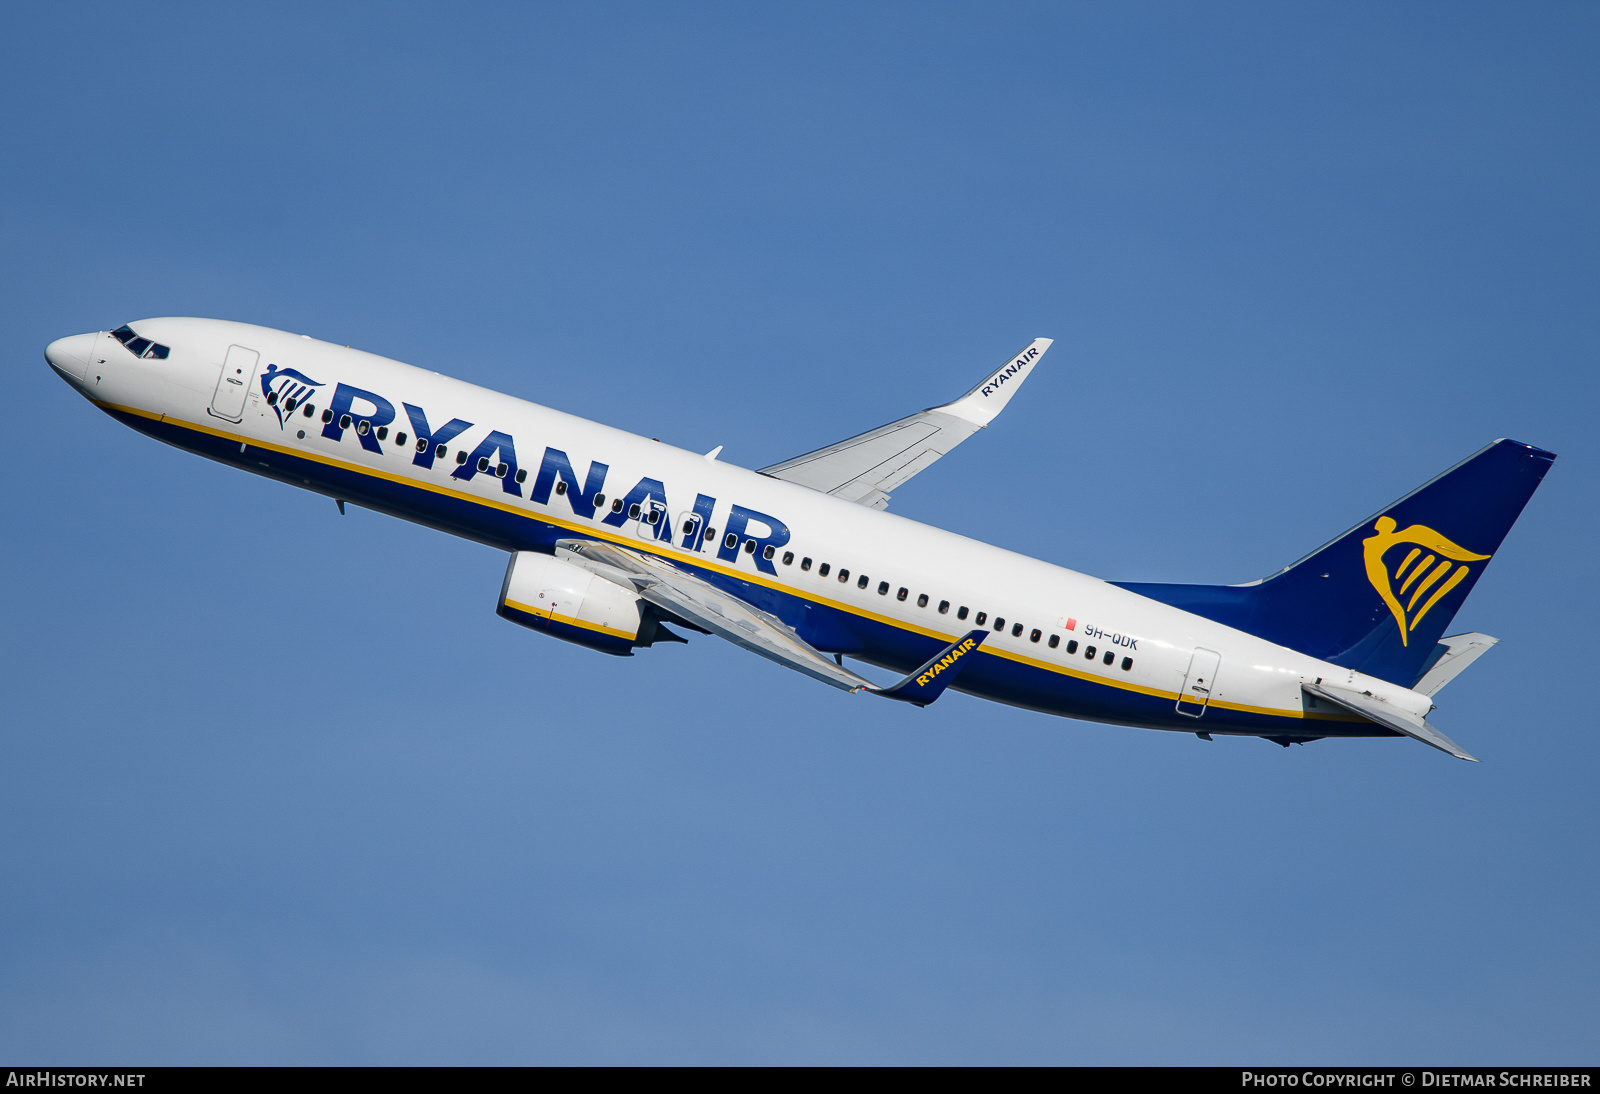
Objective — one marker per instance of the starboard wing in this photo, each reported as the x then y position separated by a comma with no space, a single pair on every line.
721,613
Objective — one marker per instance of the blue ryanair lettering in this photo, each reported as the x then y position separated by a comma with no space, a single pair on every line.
497,448
1009,371
556,464
343,402
694,539
431,438
646,491
739,521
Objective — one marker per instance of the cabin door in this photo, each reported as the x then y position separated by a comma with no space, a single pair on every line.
238,372
1199,683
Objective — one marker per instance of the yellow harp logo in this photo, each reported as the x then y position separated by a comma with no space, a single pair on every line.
1424,567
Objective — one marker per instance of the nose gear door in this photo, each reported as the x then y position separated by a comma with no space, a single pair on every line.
238,373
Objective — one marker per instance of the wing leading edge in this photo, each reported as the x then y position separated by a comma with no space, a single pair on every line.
726,616
866,468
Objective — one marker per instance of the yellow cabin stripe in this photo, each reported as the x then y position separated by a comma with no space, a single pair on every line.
647,547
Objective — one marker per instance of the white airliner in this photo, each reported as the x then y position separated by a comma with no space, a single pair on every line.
615,538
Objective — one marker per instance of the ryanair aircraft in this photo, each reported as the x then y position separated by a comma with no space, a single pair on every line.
614,539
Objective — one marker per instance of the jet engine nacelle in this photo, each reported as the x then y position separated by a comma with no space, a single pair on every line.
570,603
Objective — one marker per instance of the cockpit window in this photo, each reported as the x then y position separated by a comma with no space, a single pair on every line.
139,347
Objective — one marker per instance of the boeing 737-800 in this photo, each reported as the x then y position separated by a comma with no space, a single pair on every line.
613,539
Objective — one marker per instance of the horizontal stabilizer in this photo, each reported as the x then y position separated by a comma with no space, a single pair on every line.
1454,654
867,467
928,683
1391,717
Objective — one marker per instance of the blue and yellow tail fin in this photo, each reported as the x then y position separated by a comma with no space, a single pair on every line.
1378,598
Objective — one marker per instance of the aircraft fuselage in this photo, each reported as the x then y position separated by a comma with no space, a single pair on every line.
850,580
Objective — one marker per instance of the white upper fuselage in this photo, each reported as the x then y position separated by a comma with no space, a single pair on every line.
177,393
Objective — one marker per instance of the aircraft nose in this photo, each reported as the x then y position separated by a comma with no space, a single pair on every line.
70,355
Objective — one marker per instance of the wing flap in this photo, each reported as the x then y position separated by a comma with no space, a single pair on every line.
833,468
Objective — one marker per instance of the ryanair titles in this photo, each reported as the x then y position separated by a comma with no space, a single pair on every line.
947,661
370,416
999,379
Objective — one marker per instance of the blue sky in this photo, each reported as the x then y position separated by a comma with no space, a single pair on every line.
278,786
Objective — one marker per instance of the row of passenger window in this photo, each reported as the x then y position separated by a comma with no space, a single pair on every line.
654,516
1109,657
441,452
363,427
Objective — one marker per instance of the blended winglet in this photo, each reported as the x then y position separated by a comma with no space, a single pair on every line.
983,403
870,466
928,683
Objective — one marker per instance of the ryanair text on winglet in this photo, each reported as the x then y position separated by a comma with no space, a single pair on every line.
1010,370
946,661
